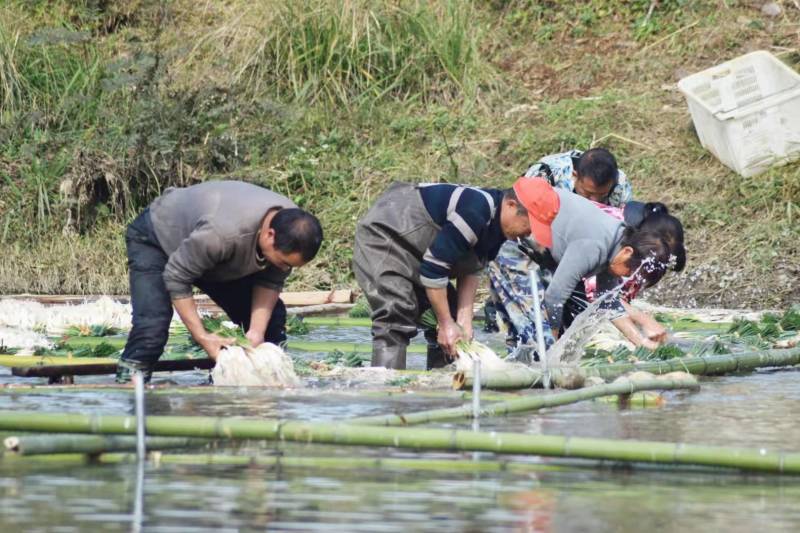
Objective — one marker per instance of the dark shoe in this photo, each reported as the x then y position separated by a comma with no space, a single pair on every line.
125,370
436,357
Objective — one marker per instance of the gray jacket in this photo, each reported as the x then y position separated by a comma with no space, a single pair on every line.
585,239
210,232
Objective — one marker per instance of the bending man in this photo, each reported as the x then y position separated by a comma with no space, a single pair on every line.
235,241
415,238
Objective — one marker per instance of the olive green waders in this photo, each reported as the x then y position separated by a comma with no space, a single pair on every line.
390,242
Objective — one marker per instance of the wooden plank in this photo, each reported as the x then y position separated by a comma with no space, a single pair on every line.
322,309
343,296
95,369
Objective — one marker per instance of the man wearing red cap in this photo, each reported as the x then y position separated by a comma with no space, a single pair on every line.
415,238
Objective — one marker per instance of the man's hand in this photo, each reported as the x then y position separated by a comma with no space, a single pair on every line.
212,343
449,334
255,337
466,330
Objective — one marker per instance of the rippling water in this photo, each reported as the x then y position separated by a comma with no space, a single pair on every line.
758,410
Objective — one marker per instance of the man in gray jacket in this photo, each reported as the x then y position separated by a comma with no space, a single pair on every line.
235,241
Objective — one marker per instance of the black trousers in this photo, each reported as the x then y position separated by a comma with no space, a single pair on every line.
152,306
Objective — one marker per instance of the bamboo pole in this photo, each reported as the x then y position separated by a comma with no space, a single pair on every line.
119,342
347,347
91,444
522,377
412,438
454,465
457,464
172,390
642,399
339,321
532,403
19,361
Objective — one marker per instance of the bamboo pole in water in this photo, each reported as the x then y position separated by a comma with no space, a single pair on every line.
412,438
92,444
20,361
453,465
338,321
347,347
341,321
523,377
119,342
530,403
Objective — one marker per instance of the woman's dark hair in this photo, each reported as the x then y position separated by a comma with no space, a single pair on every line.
650,257
599,165
297,231
658,220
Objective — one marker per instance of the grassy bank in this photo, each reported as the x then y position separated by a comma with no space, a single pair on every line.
106,103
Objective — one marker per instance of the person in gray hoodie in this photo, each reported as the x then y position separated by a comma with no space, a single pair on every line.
589,242
235,241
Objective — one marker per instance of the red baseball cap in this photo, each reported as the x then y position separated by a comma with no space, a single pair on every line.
542,203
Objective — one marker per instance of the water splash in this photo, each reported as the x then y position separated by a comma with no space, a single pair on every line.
569,348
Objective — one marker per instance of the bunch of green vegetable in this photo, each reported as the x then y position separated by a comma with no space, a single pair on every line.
339,358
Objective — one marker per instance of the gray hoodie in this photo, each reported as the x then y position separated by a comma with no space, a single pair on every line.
210,232
585,239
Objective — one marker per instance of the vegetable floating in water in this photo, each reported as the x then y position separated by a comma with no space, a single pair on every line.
265,366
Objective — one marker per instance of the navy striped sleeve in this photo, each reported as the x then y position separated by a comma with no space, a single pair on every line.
468,212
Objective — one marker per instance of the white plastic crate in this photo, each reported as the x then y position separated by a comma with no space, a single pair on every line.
747,111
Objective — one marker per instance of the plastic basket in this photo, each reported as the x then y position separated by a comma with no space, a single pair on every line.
747,111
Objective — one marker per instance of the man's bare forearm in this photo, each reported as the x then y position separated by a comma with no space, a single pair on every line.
467,289
187,310
263,303
441,308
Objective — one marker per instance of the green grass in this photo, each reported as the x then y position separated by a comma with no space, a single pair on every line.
104,104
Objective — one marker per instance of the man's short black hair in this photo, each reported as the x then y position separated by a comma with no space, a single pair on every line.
599,165
297,231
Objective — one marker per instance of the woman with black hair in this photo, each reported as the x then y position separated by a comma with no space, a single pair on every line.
638,326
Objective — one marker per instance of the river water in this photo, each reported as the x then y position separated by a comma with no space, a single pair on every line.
530,494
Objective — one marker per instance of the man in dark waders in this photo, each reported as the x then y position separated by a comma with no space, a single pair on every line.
415,238
235,241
